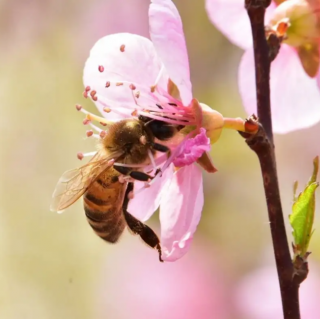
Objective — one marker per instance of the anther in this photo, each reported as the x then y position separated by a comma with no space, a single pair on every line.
80,156
132,87
85,121
143,140
137,94
153,88
119,83
95,98
89,133
101,68
106,109
130,195
78,107
88,88
103,124
134,113
93,93
85,94
122,47
107,84
102,134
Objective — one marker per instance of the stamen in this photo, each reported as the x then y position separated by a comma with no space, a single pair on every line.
82,155
78,107
153,87
168,120
129,165
101,68
96,128
93,117
119,83
152,160
122,47
107,84
90,134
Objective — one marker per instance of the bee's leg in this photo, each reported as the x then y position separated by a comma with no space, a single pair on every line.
161,148
139,228
139,176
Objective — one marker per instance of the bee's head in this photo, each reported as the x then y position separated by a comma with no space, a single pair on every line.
131,137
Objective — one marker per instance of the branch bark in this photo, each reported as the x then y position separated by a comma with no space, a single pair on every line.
262,144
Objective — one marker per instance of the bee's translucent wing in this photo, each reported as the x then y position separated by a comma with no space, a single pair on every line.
74,183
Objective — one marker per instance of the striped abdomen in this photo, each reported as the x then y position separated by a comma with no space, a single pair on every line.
103,205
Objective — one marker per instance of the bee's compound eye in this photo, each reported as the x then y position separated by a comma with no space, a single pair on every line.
161,130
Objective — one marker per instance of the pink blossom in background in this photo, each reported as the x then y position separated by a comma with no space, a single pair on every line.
127,76
258,294
133,284
295,94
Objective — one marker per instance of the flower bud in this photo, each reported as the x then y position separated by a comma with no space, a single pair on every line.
301,21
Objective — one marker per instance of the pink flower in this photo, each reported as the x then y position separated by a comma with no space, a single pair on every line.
258,295
295,76
129,76
188,289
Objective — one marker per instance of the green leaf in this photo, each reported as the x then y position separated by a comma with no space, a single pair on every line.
302,216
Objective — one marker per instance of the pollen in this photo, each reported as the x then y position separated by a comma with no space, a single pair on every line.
122,48
101,68
106,109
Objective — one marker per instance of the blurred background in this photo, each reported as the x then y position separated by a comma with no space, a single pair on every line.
54,266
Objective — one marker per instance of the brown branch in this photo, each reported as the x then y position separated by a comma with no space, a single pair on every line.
262,144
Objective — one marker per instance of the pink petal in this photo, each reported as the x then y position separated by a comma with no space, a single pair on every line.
295,97
138,64
180,212
231,18
146,202
167,35
193,149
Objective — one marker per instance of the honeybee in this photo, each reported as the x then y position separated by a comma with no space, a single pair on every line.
105,197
